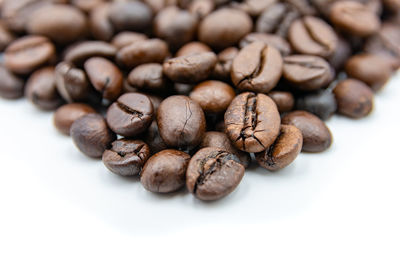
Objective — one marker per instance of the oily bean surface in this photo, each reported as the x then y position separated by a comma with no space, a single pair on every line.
68,113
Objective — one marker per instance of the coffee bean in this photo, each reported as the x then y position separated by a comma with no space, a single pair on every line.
191,68
213,173
312,36
91,135
354,98
192,48
28,53
269,39
99,23
307,72
342,53
67,114
126,157
222,69
283,151
130,15
123,39
153,139
257,68
354,17
71,82
252,122
321,103
149,77
213,96
283,100
6,37
181,122
81,52
130,115
165,171
316,135
105,77
224,27
201,8
11,86
41,89
221,140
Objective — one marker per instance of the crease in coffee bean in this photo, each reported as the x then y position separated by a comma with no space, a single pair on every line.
130,111
315,37
270,159
256,72
310,65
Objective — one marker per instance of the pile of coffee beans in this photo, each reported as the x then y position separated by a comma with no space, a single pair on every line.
186,93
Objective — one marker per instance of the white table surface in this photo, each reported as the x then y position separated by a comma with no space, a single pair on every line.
338,208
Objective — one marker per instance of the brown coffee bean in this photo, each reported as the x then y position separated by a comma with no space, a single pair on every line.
123,39
99,23
342,53
181,122
257,68
252,122
71,82
67,114
222,69
148,77
283,100
316,135
105,77
130,115
269,39
283,151
130,15
165,171
213,173
191,68
192,48
354,98
224,27
213,96
153,139
91,135
126,157
81,52
11,86
28,53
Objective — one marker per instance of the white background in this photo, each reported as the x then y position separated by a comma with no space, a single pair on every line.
338,208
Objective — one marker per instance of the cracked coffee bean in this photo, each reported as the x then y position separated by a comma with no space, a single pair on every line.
72,83
65,115
283,100
11,86
130,115
213,173
252,122
257,68
165,171
283,151
126,157
81,52
321,103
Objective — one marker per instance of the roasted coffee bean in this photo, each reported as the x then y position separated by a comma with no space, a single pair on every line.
307,72
283,100
354,17
149,77
71,82
321,103
316,135
224,27
67,114
252,122
165,171
257,68
28,53
6,37
283,151
153,139
123,39
60,23
91,135
141,52
99,23
221,140
213,173
269,39
105,77
190,69
213,96
126,157
222,69
11,86
192,48
355,99
79,53
372,69
176,26
181,122
202,8
41,89
130,115
130,15
342,53
312,36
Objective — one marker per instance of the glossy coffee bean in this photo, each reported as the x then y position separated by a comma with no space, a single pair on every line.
153,139
99,23
11,86
28,53
312,36
165,171
105,77
130,15
148,77
192,48
71,82
221,140
321,103
68,113
191,68
222,69
316,135
257,68
283,100
130,115
213,96
283,151
252,122
269,39
81,52
41,89
126,38
224,27
213,173
91,135
355,99
181,122
307,72
126,157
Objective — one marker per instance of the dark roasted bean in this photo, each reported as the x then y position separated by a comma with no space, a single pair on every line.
149,77
71,82
79,53
67,114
